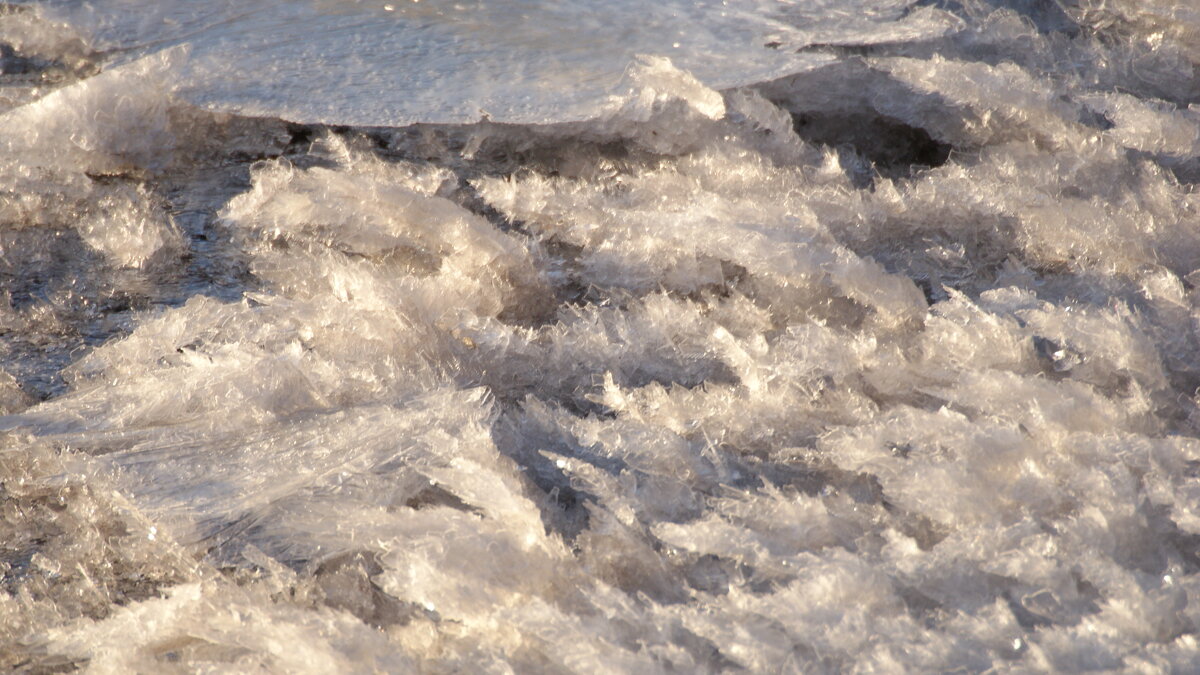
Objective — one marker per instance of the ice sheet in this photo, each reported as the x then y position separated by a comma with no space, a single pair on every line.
368,62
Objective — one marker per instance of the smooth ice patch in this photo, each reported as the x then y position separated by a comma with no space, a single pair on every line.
531,61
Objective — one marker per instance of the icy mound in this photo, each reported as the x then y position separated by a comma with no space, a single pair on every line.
705,360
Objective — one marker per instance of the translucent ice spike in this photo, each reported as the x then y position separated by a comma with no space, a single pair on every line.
397,62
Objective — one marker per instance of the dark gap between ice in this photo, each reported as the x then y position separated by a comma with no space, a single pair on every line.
896,149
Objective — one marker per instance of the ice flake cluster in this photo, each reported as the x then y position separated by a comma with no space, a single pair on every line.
841,336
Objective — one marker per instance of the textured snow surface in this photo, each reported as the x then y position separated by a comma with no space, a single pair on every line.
846,336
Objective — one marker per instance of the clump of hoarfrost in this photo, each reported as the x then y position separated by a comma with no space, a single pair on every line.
887,366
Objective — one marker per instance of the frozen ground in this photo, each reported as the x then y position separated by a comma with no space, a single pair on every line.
531,336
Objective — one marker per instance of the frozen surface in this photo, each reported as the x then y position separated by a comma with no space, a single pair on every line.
871,350
369,62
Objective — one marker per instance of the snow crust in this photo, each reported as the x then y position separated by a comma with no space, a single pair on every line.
698,359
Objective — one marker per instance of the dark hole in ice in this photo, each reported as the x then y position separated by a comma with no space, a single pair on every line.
895,148
74,62
301,134
436,496
12,63
932,295
1055,356
1095,119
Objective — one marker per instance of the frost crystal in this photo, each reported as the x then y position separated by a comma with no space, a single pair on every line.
527,336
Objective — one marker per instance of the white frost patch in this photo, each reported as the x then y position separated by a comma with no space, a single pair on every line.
116,121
